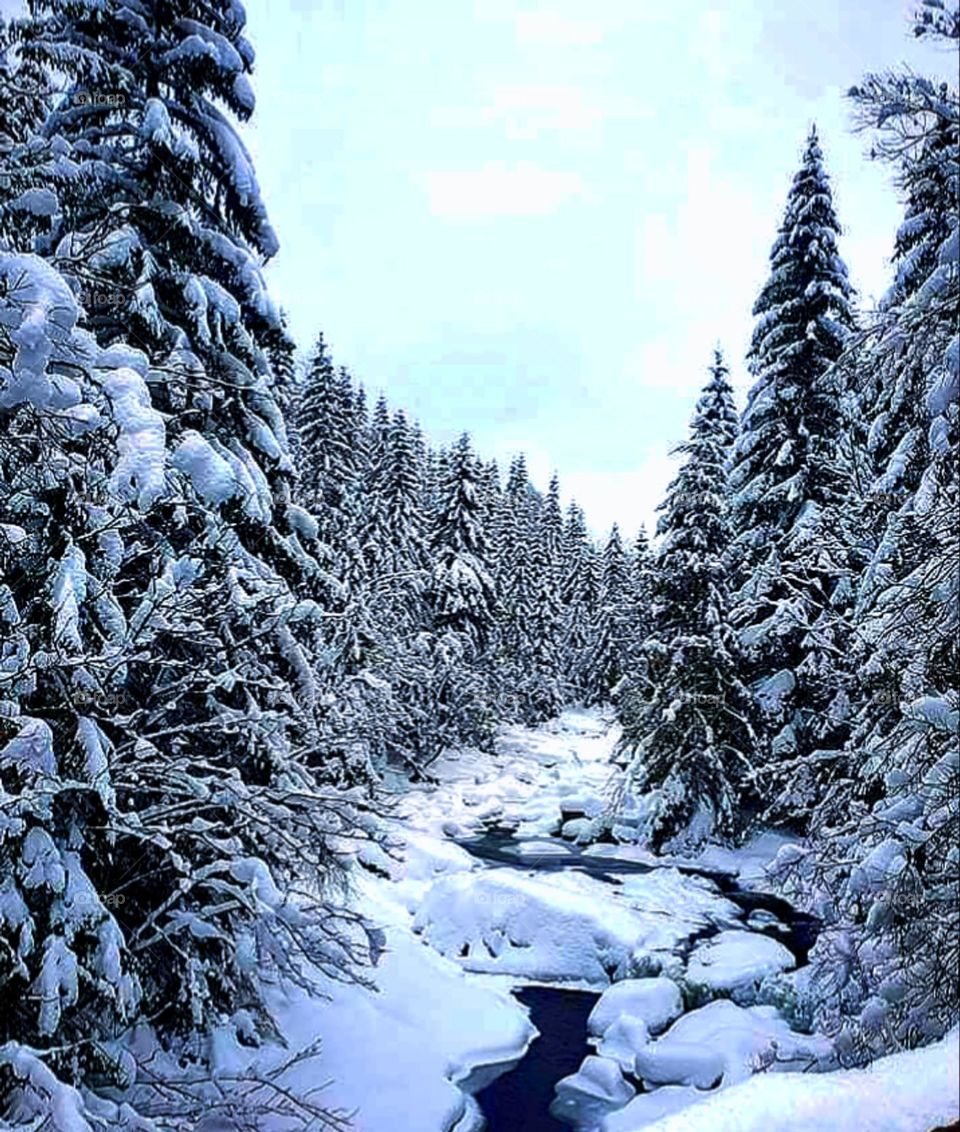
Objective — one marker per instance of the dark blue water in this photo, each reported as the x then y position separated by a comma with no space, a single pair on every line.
519,1100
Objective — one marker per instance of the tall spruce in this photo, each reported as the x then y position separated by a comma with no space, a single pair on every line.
884,864
791,488
196,570
687,733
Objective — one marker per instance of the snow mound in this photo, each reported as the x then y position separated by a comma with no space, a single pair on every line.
735,962
623,1040
906,1092
587,1096
745,1039
561,927
656,1002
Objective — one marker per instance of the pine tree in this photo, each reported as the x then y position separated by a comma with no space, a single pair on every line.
686,717
23,90
197,573
641,593
462,593
884,864
792,488
580,599
608,658
330,438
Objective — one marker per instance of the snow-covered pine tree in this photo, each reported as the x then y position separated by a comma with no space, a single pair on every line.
148,202
791,489
68,974
607,660
23,90
641,590
462,603
331,446
580,599
517,583
886,835
889,371
545,694
687,731
461,590
528,528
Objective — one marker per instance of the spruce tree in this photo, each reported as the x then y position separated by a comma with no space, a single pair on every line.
791,487
580,599
197,571
607,660
884,863
641,593
461,590
330,440
687,736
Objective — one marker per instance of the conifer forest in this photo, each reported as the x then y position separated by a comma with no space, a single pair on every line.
350,779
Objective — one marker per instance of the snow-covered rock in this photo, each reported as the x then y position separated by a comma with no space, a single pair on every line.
587,1096
622,1041
679,1063
556,927
736,962
906,1092
656,1002
745,1039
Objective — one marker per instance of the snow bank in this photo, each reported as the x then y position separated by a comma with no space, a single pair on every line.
655,1002
395,1056
561,927
906,1092
647,1108
744,1040
736,962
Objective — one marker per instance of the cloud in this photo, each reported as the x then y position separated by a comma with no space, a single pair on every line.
496,189
549,28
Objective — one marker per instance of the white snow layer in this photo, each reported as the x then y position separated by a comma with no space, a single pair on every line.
906,1092
736,961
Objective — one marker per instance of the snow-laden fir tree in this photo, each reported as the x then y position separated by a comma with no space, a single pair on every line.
580,600
68,972
461,590
462,605
194,581
398,555
545,695
791,486
641,592
331,468
528,529
23,90
609,651
885,860
121,836
687,740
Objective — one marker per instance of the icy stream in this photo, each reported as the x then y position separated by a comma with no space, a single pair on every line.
521,1098
521,974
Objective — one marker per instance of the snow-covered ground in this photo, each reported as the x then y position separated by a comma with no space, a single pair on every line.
460,931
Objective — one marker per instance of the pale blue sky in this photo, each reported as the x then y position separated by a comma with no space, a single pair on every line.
534,220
